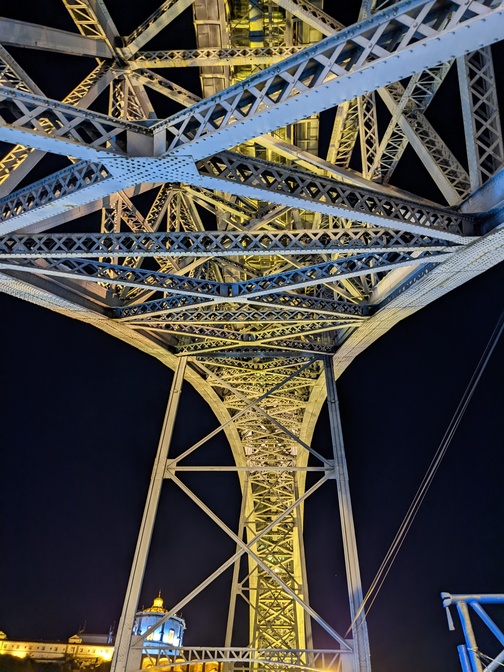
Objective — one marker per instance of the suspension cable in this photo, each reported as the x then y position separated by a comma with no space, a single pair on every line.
399,538
486,659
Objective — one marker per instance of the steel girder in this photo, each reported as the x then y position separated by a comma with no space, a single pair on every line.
297,303
22,34
306,276
237,113
197,58
281,93
20,160
351,240
480,109
251,299
243,176
286,185
92,19
408,124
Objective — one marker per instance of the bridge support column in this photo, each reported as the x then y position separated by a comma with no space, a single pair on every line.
126,658
360,645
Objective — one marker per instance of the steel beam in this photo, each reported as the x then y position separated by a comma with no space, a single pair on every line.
232,56
446,171
92,19
290,186
72,132
359,117
362,661
122,646
161,18
298,303
307,276
214,243
20,160
235,174
480,110
33,36
288,92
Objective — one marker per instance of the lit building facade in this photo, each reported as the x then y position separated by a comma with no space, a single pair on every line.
92,650
79,647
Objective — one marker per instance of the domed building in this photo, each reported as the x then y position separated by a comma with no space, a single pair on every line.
170,632
91,650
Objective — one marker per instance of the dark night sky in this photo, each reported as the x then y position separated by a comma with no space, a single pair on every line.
81,414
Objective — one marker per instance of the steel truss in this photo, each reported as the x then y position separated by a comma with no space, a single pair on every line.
272,466
218,239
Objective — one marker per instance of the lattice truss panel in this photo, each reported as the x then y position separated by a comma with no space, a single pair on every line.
265,401
269,439
218,227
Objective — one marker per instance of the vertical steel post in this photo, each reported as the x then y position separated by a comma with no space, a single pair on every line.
465,663
236,568
125,629
362,658
472,647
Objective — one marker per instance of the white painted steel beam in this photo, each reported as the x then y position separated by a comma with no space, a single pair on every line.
284,94
301,158
33,36
17,163
232,173
444,168
122,648
359,117
92,19
480,110
161,18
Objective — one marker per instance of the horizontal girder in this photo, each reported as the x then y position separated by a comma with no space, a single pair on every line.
292,186
216,243
319,658
307,276
284,347
232,173
228,337
240,315
178,58
300,304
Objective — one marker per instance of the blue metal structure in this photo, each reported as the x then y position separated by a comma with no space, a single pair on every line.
472,659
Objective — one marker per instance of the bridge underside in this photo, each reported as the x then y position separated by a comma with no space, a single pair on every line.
251,230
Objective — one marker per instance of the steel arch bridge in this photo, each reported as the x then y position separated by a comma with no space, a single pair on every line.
218,235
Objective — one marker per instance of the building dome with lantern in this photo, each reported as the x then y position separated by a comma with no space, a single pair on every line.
170,632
